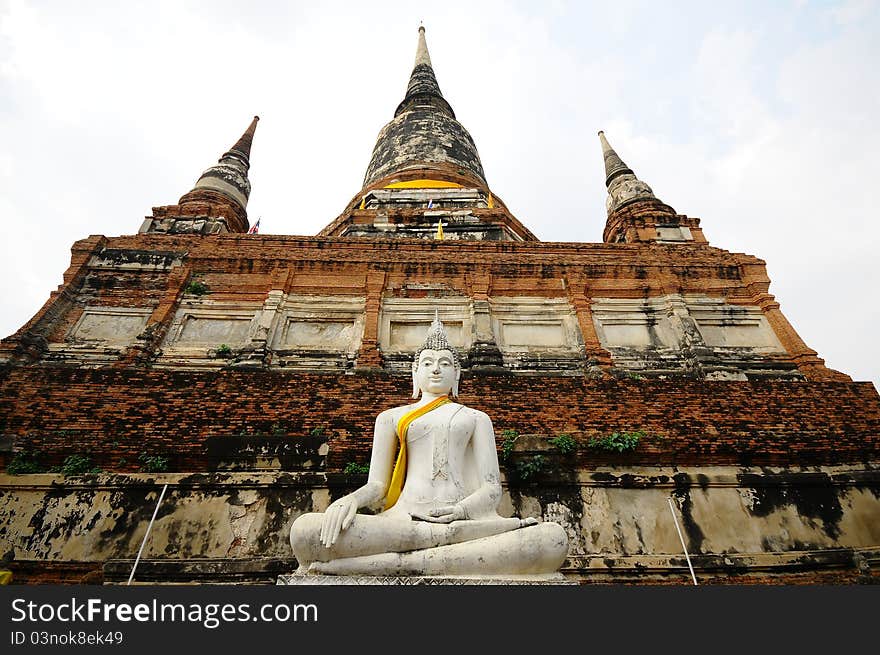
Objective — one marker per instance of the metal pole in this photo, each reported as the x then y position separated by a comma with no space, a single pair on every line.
681,538
149,527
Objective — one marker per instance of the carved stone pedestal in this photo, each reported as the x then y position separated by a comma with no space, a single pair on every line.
407,581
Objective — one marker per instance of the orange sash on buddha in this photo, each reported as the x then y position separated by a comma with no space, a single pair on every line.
398,476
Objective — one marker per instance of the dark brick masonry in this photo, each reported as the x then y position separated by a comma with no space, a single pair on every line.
120,413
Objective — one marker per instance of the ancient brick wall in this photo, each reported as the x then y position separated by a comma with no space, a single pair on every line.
612,270
152,273
115,415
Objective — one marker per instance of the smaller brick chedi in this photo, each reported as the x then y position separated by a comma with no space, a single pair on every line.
246,371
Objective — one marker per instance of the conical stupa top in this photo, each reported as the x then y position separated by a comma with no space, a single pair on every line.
623,185
243,145
614,165
422,82
229,176
424,133
422,56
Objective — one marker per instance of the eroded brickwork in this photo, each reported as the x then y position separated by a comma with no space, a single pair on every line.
116,415
147,272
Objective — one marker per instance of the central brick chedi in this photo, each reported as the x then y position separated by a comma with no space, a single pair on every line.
426,170
424,232
212,348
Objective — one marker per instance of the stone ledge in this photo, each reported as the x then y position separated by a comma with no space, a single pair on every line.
831,566
257,570
589,565
599,476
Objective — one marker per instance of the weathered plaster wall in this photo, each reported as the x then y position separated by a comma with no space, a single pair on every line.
740,518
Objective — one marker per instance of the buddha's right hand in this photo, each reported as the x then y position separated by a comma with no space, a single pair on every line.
337,518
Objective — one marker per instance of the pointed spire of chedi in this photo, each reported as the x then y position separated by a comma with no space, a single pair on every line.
635,214
218,201
425,177
614,165
423,87
424,136
622,184
229,176
242,147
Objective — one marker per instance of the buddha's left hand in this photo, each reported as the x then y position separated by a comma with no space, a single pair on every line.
446,514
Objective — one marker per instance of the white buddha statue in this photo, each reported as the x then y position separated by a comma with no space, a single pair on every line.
435,468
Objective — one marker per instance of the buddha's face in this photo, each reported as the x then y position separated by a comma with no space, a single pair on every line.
435,371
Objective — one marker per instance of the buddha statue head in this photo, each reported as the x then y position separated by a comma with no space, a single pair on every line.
436,367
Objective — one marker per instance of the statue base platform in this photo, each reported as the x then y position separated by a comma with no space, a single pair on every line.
407,581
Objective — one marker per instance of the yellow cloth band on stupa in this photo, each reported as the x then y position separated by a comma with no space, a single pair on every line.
423,184
398,476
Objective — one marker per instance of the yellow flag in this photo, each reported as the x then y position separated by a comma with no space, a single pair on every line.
363,202
439,235
491,201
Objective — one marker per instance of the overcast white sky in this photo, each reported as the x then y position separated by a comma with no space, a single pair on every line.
759,118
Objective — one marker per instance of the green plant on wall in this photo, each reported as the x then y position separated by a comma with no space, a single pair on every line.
153,463
25,462
77,464
530,467
317,432
223,351
565,444
619,442
197,288
508,441
353,468
523,468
